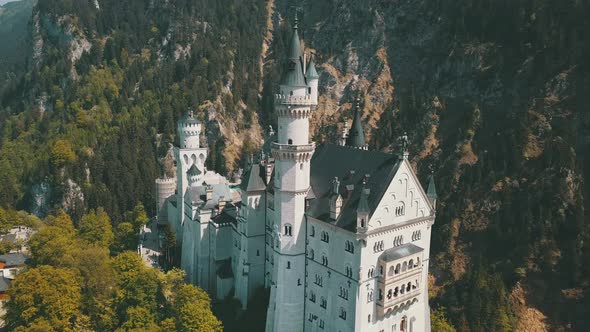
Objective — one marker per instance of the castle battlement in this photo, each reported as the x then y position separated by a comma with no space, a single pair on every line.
294,100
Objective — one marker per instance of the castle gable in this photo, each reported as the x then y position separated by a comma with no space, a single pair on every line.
403,200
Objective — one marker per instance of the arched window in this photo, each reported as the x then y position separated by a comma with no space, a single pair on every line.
404,266
381,270
342,313
363,223
371,273
309,90
409,286
290,141
312,231
403,327
311,253
411,264
389,294
288,229
370,296
288,264
291,93
391,271
349,271
324,260
397,268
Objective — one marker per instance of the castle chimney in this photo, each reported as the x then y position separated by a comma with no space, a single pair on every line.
221,203
209,192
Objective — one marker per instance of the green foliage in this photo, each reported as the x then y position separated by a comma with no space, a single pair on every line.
100,292
126,237
439,322
62,153
44,296
95,227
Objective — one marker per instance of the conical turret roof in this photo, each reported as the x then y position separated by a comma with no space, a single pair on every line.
311,72
293,75
363,206
356,135
431,193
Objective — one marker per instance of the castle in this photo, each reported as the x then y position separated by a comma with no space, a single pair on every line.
338,233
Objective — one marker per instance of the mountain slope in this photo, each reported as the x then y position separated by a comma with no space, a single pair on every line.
491,94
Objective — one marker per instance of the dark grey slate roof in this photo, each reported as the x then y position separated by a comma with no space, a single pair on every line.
13,259
193,171
331,160
189,118
311,72
356,135
432,189
228,215
293,75
400,252
4,284
253,179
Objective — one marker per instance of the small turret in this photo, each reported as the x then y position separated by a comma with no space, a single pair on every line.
189,131
335,200
356,134
431,192
312,77
362,210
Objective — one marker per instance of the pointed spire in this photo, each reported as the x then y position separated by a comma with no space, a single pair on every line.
404,145
293,75
431,193
311,73
356,134
363,206
295,50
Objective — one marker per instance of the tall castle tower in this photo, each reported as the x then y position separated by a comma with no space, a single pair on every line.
292,152
189,153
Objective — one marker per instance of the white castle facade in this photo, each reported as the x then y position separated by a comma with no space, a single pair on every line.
339,234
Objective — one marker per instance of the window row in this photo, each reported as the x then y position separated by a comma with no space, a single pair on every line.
343,293
319,280
398,290
378,246
400,210
403,267
398,240
313,317
349,246
416,235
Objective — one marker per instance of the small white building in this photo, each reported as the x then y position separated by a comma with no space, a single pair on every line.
339,234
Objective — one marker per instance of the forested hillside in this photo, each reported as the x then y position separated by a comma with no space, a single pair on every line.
14,36
491,93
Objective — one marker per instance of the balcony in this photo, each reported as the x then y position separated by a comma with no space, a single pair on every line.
294,100
293,148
